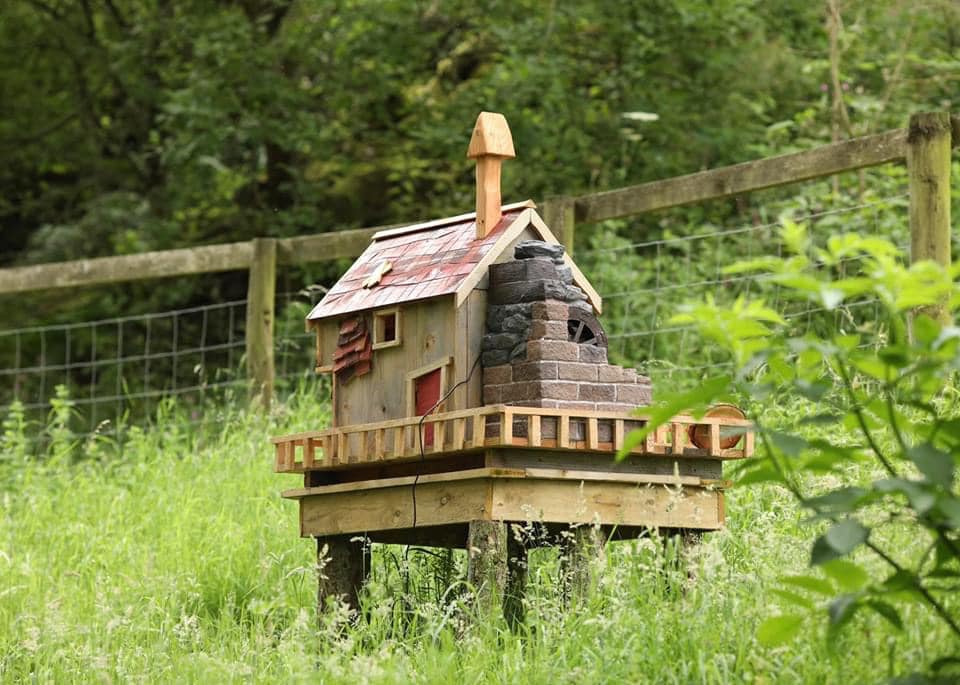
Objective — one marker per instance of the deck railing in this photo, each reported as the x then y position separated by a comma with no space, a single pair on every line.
507,426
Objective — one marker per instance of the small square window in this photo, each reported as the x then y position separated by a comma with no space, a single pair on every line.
386,328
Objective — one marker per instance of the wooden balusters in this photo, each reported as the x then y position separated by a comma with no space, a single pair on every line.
592,433
459,432
479,430
563,432
533,431
618,436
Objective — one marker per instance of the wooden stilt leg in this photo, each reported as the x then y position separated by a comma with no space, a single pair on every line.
487,562
343,566
581,547
516,578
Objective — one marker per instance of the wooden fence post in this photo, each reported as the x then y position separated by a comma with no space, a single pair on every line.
928,162
559,215
261,291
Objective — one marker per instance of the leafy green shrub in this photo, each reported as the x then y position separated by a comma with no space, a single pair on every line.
892,383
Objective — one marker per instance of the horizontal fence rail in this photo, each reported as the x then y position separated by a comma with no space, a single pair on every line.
115,364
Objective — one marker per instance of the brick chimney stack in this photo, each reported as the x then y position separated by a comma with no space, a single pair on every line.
490,144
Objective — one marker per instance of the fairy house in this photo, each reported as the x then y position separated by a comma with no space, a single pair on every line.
471,388
481,308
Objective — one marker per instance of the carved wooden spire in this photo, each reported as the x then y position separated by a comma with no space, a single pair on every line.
490,144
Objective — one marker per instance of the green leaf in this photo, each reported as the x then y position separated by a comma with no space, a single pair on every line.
848,575
925,329
778,630
839,501
790,445
794,598
840,539
763,473
845,536
842,609
920,495
887,611
811,584
825,419
936,465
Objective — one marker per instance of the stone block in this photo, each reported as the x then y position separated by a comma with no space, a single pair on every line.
636,394
496,375
559,390
497,313
519,351
615,407
535,371
492,358
516,323
575,371
572,293
491,394
553,350
598,392
609,374
592,354
520,391
549,330
604,431
527,249
534,291
549,311
501,341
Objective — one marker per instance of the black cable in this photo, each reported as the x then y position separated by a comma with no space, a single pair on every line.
423,458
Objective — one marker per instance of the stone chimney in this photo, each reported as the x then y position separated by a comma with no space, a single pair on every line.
490,144
544,347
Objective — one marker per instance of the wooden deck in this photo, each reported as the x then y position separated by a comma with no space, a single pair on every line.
502,426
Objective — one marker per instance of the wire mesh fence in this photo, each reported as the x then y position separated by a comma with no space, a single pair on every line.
643,284
117,371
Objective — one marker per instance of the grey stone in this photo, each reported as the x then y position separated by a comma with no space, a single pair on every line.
519,351
572,293
533,291
565,274
494,358
516,323
526,249
501,341
497,313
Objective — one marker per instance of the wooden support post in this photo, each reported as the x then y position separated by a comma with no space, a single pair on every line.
560,217
487,562
342,568
928,162
516,585
261,290
581,547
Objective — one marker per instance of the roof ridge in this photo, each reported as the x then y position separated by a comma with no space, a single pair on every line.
437,223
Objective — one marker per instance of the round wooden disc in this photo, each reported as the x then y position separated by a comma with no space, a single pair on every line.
700,434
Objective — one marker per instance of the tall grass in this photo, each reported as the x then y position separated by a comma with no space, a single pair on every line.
172,558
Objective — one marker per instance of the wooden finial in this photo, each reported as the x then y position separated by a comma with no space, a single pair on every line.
490,144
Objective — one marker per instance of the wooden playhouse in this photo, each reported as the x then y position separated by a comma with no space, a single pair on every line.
471,389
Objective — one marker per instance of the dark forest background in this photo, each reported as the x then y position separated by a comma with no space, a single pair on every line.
133,125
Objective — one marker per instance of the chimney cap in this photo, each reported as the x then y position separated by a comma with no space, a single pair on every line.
491,136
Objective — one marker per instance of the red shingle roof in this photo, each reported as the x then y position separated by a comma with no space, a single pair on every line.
427,260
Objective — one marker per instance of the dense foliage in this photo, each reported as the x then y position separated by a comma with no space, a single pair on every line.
129,125
881,394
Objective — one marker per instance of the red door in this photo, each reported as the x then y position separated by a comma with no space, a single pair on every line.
426,394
